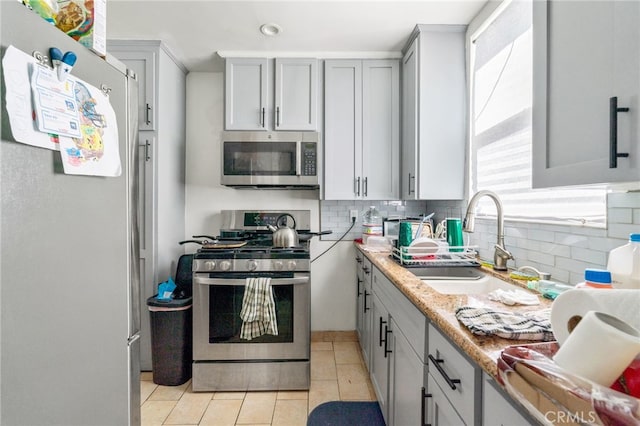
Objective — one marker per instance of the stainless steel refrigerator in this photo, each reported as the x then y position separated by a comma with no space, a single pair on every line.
68,262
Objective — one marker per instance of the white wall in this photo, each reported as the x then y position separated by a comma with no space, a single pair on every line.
333,289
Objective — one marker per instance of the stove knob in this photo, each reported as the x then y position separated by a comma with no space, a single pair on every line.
225,265
278,265
210,265
291,265
252,265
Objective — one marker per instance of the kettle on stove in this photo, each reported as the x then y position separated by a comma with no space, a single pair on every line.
284,236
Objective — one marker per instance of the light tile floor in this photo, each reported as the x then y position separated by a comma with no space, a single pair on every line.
337,373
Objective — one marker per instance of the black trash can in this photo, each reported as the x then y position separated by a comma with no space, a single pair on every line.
171,341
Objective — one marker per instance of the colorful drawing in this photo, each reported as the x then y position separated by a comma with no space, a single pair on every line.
92,124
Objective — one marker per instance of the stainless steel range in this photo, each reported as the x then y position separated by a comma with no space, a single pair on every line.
222,359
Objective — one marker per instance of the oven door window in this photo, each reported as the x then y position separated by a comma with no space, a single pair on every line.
260,158
225,304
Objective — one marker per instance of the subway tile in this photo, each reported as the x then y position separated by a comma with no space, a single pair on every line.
622,231
636,216
620,215
623,199
590,256
573,265
568,239
540,235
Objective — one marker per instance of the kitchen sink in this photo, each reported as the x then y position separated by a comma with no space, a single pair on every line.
447,273
482,285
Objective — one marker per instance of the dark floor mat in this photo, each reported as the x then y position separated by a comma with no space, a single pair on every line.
346,413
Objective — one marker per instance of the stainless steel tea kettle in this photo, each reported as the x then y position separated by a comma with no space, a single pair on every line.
283,236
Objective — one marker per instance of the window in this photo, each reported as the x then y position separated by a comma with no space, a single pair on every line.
501,103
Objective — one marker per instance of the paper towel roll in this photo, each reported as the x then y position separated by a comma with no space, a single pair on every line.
599,348
570,306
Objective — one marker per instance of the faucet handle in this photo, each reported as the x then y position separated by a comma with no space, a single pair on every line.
541,275
504,253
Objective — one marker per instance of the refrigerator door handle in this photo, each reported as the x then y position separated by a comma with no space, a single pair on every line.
132,339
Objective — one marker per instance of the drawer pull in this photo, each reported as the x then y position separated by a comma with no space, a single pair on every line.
424,395
436,362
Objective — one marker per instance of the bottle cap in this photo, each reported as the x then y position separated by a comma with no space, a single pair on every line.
597,276
634,237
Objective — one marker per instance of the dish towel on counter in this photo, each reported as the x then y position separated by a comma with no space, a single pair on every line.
258,311
508,325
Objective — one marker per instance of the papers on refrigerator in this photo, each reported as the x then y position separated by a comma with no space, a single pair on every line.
43,110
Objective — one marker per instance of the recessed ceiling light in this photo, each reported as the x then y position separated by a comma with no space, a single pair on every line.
270,29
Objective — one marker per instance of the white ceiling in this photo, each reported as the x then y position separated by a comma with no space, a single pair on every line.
195,31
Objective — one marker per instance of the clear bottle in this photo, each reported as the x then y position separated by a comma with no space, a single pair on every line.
624,264
371,224
548,289
596,278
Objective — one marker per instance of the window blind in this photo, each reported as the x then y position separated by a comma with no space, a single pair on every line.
501,104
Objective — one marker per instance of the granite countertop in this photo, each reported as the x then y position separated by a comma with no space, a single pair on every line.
440,309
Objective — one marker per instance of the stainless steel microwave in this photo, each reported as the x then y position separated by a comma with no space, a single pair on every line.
270,159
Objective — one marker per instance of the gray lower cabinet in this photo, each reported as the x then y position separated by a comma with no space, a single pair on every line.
440,409
161,161
364,326
499,410
419,375
397,368
407,380
381,349
457,377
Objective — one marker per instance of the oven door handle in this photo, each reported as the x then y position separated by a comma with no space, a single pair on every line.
243,281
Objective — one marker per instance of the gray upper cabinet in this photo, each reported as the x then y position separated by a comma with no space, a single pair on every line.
433,114
585,53
362,133
143,63
256,100
296,97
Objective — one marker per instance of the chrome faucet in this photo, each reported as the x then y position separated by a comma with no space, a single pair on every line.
501,254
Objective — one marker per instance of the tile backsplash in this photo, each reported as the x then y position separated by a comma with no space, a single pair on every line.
564,251
334,215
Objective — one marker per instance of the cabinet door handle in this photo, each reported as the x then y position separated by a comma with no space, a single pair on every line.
436,362
146,146
365,187
359,293
365,301
423,399
386,340
262,117
277,116
147,118
380,339
613,132
411,191
357,186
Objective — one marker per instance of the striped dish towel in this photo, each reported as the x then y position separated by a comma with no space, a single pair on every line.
508,325
258,312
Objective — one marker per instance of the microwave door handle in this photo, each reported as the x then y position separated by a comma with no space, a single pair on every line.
240,282
298,158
